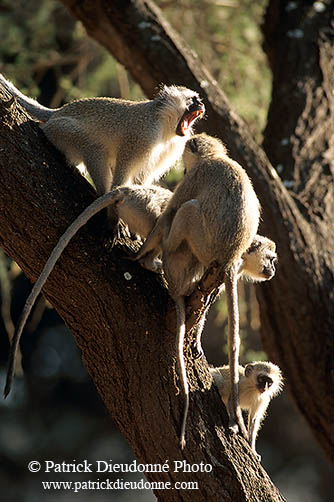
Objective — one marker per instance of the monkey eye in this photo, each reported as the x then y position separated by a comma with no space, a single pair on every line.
195,101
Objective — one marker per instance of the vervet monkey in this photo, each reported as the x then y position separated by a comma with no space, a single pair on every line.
120,142
211,219
138,206
258,264
259,382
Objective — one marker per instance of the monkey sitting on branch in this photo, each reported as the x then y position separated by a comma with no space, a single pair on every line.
120,142
259,382
211,220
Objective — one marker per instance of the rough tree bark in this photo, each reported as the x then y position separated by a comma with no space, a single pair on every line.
296,308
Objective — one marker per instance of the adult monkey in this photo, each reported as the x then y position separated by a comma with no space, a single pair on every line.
211,219
120,142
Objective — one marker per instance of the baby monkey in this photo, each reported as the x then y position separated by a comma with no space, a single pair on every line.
138,206
211,220
259,382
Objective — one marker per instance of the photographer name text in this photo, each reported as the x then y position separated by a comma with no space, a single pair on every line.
109,466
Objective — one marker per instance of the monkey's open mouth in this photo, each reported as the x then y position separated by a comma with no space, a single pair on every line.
188,118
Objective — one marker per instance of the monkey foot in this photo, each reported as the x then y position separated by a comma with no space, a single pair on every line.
233,428
197,351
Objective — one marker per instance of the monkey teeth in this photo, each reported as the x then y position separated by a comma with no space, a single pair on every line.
189,120
184,127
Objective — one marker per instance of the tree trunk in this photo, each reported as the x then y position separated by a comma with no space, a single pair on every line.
296,308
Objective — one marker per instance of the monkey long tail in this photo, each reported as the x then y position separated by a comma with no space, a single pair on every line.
181,330
32,106
80,221
234,410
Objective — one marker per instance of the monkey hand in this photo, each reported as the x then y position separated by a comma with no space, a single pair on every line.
147,262
236,421
196,349
233,428
241,426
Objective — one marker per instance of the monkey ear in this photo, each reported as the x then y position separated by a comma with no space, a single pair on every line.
249,369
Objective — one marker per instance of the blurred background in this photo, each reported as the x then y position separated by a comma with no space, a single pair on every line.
54,411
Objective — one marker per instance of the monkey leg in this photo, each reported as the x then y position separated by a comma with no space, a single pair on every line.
68,136
147,255
196,344
188,226
96,162
236,420
151,248
181,331
254,422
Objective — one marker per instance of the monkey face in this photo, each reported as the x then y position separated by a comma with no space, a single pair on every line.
263,382
260,259
265,376
269,266
195,110
180,107
202,146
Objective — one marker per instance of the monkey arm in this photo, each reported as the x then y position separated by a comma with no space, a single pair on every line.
255,418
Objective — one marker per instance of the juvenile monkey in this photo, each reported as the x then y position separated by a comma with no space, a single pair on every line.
257,265
259,382
211,219
120,142
138,206
259,261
